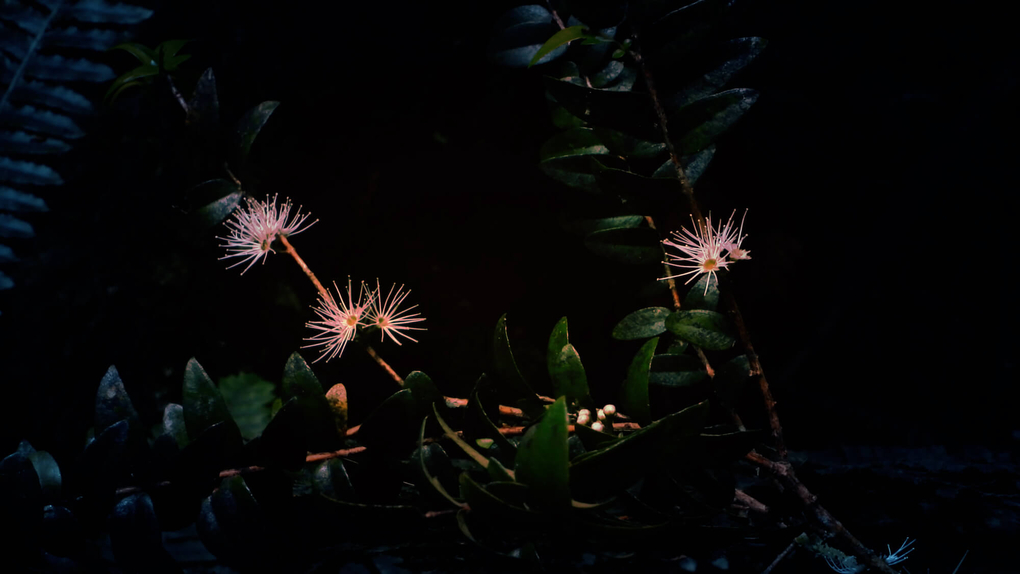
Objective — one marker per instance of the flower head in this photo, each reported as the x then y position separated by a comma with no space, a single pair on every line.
339,320
384,313
896,557
706,250
255,226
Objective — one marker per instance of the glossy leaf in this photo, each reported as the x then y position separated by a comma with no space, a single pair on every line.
424,391
204,105
217,210
703,121
561,38
706,329
392,426
591,438
203,404
507,450
513,388
565,368
493,508
641,324
142,53
628,112
694,165
573,142
520,34
299,380
698,297
601,473
632,185
542,459
249,399
249,126
129,79
330,479
725,61
638,245
451,434
135,536
675,370
48,471
424,468
634,391
112,402
336,398
628,146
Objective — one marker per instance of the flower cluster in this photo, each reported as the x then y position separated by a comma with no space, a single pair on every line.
255,226
340,318
708,249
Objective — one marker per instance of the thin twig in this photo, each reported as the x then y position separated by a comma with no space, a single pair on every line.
670,282
784,475
752,503
385,366
704,361
779,558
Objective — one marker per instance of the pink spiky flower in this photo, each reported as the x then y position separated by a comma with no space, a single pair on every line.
385,314
255,226
701,251
732,238
339,320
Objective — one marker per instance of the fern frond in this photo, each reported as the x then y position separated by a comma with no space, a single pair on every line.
36,109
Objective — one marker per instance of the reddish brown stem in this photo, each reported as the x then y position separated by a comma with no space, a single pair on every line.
301,263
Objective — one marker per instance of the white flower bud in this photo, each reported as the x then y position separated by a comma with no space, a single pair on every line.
597,426
583,419
610,410
601,415
584,413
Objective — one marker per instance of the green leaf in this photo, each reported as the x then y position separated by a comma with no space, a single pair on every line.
573,142
634,392
628,146
249,126
507,450
424,468
706,329
634,245
249,399
565,368
48,471
128,79
299,380
498,472
598,474
495,509
561,38
704,294
203,404
584,227
631,185
143,54
731,378
424,391
478,457
701,122
112,402
591,438
513,389
641,324
216,210
694,165
610,72
330,479
520,34
675,370
722,63
542,459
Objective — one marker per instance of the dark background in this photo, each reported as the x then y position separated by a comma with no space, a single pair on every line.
876,165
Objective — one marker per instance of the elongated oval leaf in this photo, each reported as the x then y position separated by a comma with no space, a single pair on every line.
638,245
568,376
584,227
203,404
628,112
513,388
249,126
704,294
706,329
641,324
703,121
675,370
112,402
694,165
634,392
561,38
299,380
542,459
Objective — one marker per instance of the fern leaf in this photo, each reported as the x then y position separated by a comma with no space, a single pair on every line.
91,39
57,68
102,12
7,255
45,122
23,143
23,16
14,200
5,281
51,96
16,171
11,226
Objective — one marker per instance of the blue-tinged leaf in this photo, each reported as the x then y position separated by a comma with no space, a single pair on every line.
519,35
51,96
642,324
608,74
13,227
203,404
15,43
694,165
523,15
112,402
102,12
21,142
48,471
698,124
706,329
728,60
587,226
249,126
573,142
5,281
16,171
624,82
675,371
173,424
216,211
24,16
561,38
7,254
14,200
58,68
629,112
97,39
45,122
